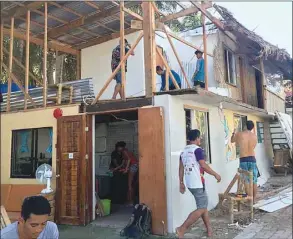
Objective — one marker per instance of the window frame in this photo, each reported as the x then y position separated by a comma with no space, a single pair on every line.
33,151
227,66
260,135
192,110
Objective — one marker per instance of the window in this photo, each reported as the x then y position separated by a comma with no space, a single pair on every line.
239,125
230,67
30,148
197,119
260,132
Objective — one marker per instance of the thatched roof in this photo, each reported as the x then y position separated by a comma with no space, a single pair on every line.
256,45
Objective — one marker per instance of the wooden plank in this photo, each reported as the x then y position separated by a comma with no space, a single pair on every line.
177,57
124,9
231,184
122,49
78,65
52,45
138,25
152,166
10,64
183,13
149,48
204,38
1,47
157,10
117,69
89,169
263,82
45,50
27,57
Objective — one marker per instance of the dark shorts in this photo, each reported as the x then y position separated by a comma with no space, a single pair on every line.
249,164
200,196
200,83
118,77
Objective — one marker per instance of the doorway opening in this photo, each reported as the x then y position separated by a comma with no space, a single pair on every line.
110,174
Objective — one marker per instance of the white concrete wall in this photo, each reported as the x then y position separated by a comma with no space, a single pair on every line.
96,63
178,205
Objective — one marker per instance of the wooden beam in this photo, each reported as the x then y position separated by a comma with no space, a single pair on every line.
264,82
204,38
52,45
167,81
45,50
183,13
187,43
122,48
136,24
27,57
118,68
168,69
78,65
157,10
149,48
132,13
103,39
17,82
177,57
1,47
10,64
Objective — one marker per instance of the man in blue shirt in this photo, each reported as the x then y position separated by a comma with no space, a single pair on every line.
162,73
199,74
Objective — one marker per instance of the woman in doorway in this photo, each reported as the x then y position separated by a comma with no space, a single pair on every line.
131,168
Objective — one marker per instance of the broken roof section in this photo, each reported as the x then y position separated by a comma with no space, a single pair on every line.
255,46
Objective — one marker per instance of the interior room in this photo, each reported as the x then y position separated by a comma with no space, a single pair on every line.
111,179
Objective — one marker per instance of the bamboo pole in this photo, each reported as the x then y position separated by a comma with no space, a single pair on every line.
177,57
1,47
204,36
187,43
45,55
27,54
168,69
122,49
10,64
117,69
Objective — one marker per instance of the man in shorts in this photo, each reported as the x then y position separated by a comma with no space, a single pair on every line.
192,167
246,141
199,75
34,222
114,64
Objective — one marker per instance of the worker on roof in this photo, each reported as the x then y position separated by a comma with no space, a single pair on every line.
162,73
114,64
199,75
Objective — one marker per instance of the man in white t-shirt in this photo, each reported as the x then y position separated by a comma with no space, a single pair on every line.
33,223
192,167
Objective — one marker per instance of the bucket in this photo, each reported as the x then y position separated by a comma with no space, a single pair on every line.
106,206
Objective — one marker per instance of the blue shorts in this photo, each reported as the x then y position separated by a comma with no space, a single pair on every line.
249,166
118,77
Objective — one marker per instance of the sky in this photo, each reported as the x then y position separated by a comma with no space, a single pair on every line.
271,20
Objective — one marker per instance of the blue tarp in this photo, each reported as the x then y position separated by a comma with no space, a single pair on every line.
14,87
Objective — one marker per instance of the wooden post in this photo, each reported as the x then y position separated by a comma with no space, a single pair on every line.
45,56
177,57
1,47
167,81
27,54
149,47
10,64
204,35
122,48
263,82
78,65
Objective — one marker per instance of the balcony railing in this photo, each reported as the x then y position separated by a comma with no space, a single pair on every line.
274,102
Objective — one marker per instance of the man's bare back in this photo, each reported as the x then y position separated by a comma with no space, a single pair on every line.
246,141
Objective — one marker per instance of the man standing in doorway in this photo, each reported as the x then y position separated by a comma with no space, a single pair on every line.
198,76
246,141
162,73
114,64
192,166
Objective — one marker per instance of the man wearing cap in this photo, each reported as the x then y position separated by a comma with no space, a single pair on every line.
162,73
114,64
198,76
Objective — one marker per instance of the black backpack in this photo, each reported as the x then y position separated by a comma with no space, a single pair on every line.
140,223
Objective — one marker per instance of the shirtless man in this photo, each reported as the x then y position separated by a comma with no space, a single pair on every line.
247,140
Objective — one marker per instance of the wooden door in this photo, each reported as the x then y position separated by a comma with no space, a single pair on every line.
152,180
71,191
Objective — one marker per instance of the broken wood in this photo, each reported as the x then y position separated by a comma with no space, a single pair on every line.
177,57
168,69
122,49
45,56
118,68
10,64
27,57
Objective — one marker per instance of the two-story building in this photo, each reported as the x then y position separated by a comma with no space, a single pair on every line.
78,139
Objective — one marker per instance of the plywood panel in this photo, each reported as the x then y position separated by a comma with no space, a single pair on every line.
152,181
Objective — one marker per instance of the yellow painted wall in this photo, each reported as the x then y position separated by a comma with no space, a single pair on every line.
25,120
229,119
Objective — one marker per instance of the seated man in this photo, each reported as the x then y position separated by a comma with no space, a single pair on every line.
162,73
33,222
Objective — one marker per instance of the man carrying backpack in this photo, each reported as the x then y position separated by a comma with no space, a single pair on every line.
192,166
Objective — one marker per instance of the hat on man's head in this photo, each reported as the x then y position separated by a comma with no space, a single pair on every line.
198,51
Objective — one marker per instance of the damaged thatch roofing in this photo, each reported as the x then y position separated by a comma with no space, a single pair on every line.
279,57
